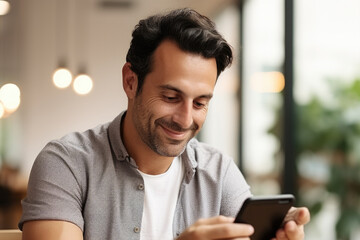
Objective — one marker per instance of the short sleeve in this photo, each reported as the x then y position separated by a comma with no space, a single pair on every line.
235,190
54,188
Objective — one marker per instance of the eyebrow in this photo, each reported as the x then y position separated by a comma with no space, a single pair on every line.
170,87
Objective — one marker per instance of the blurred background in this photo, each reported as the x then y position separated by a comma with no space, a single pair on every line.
288,110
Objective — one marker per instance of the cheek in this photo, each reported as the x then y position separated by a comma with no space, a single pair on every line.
199,117
150,103
166,111
157,107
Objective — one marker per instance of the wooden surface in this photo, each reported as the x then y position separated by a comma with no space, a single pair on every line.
10,234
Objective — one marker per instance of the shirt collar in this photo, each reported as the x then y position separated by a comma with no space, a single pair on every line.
116,142
189,158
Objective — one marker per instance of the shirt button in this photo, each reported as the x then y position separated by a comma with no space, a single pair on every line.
141,186
136,229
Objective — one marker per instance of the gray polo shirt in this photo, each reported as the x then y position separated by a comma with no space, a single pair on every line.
89,179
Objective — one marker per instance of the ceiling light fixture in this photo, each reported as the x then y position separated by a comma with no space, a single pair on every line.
9,99
62,77
4,7
83,84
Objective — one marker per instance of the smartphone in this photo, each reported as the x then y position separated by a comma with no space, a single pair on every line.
265,213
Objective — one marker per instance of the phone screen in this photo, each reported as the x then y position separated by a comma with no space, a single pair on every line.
265,214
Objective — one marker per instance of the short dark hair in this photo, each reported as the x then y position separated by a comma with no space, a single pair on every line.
191,31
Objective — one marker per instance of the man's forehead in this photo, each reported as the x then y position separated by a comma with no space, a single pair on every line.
182,70
169,50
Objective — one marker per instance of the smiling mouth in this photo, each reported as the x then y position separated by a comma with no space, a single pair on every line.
174,134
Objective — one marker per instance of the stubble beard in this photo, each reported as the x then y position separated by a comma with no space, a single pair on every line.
157,142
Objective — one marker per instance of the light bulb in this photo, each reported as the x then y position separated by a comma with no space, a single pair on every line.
4,7
83,84
268,82
10,97
62,78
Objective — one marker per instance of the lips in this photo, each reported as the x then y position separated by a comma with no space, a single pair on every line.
174,134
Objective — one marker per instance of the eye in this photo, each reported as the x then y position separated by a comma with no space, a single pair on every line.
199,105
168,98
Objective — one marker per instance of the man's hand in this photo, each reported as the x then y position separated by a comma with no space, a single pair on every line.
217,228
293,228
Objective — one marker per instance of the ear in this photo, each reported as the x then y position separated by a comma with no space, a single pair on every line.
130,81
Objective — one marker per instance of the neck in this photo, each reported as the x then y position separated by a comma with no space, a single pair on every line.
146,159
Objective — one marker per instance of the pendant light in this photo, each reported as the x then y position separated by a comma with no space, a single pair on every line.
4,7
83,83
62,77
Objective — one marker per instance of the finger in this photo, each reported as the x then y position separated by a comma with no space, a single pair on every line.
281,235
226,230
294,231
300,215
214,220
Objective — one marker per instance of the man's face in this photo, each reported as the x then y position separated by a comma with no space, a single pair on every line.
173,103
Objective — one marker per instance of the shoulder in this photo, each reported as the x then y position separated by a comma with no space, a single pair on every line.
93,136
75,151
76,144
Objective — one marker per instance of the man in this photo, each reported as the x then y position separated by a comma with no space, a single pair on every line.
144,176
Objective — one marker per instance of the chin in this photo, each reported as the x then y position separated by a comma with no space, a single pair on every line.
171,151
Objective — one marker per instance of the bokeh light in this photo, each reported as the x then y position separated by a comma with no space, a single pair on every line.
83,84
4,7
10,97
270,82
62,78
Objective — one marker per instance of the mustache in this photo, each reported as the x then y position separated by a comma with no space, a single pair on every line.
175,126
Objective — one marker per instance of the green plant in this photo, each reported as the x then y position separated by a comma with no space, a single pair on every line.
330,130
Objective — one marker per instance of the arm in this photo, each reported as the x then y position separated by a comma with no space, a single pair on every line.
54,190
51,230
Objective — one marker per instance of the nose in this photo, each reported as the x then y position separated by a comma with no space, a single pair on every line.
184,115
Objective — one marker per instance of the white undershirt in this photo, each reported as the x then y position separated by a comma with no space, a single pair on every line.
161,194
